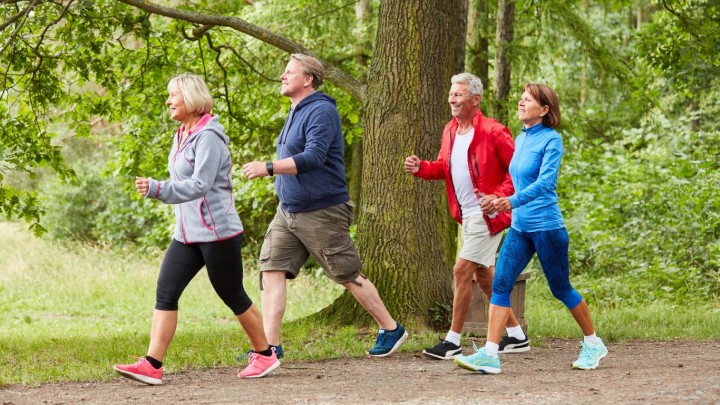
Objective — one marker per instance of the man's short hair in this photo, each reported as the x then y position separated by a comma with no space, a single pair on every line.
196,94
311,66
474,82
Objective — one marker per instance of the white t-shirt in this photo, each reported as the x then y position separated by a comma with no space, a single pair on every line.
460,173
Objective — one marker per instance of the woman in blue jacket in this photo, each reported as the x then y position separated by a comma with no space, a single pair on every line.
537,227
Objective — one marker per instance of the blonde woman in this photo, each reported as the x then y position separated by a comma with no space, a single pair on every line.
208,231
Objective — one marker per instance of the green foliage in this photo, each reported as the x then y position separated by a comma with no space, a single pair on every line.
642,222
681,45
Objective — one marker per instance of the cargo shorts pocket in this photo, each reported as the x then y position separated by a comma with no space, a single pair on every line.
266,247
342,262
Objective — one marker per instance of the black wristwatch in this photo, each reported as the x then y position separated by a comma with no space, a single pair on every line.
269,167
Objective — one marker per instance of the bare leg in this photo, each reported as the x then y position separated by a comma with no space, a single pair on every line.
367,295
581,313
274,298
484,277
164,324
497,318
462,275
252,323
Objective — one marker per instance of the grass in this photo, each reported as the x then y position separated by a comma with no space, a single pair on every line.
67,313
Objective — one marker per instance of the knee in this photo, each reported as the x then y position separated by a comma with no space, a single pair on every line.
501,299
569,297
463,272
164,299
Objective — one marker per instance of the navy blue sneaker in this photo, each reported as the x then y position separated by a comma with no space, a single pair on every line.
388,341
278,352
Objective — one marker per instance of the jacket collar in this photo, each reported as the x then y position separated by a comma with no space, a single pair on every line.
537,128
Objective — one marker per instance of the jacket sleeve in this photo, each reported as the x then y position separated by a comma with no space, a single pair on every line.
321,128
209,151
504,149
435,169
546,181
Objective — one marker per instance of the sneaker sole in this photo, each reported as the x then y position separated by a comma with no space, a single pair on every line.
448,356
594,366
515,349
481,369
397,344
264,373
138,377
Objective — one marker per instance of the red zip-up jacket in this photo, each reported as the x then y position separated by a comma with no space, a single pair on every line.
489,156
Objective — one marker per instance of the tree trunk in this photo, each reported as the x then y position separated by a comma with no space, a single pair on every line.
477,38
405,236
363,49
503,39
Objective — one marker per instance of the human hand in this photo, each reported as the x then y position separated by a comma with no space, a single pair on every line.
502,204
412,164
487,206
142,185
254,170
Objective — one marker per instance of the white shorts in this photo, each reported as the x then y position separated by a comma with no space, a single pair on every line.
478,245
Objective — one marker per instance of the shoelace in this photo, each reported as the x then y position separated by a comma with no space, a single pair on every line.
253,356
381,340
477,349
587,351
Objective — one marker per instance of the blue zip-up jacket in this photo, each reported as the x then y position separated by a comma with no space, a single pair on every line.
200,185
313,137
534,171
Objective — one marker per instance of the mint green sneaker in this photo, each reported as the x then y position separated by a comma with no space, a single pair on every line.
479,361
590,356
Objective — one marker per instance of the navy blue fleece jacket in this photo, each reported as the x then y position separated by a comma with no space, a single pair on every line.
312,136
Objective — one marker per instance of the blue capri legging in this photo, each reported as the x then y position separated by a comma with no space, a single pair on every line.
515,254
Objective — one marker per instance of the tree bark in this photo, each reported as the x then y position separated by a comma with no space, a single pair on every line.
363,48
478,56
503,39
405,236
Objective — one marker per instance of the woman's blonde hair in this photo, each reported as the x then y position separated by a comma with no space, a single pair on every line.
195,92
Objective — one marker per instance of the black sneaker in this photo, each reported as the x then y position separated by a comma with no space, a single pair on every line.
513,345
444,350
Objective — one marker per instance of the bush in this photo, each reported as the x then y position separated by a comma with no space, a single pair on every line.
644,214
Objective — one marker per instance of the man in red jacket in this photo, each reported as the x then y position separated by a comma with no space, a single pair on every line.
474,157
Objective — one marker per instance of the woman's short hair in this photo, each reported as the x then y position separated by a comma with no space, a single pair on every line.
546,96
474,82
311,66
196,94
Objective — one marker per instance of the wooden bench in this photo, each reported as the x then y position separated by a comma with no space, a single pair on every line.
477,317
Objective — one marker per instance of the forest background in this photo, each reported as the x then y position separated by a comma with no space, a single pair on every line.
82,113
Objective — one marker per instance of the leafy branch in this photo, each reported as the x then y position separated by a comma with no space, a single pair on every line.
332,72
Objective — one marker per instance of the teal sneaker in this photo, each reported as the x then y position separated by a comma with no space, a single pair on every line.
590,356
479,361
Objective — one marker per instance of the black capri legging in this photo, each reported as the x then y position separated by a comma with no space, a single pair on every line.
182,262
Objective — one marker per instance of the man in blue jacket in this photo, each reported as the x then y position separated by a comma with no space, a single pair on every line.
315,211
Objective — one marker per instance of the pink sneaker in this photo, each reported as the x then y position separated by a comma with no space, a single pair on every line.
141,371
259,365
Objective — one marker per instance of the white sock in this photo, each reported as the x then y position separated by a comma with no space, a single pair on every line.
453,337
593,340
516,332
491,349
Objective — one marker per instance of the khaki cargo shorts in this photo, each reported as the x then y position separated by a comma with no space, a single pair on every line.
479,246
325,234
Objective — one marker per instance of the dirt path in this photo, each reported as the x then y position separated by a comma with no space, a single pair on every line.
633,372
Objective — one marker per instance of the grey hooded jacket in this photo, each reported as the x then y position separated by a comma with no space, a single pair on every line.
200,185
